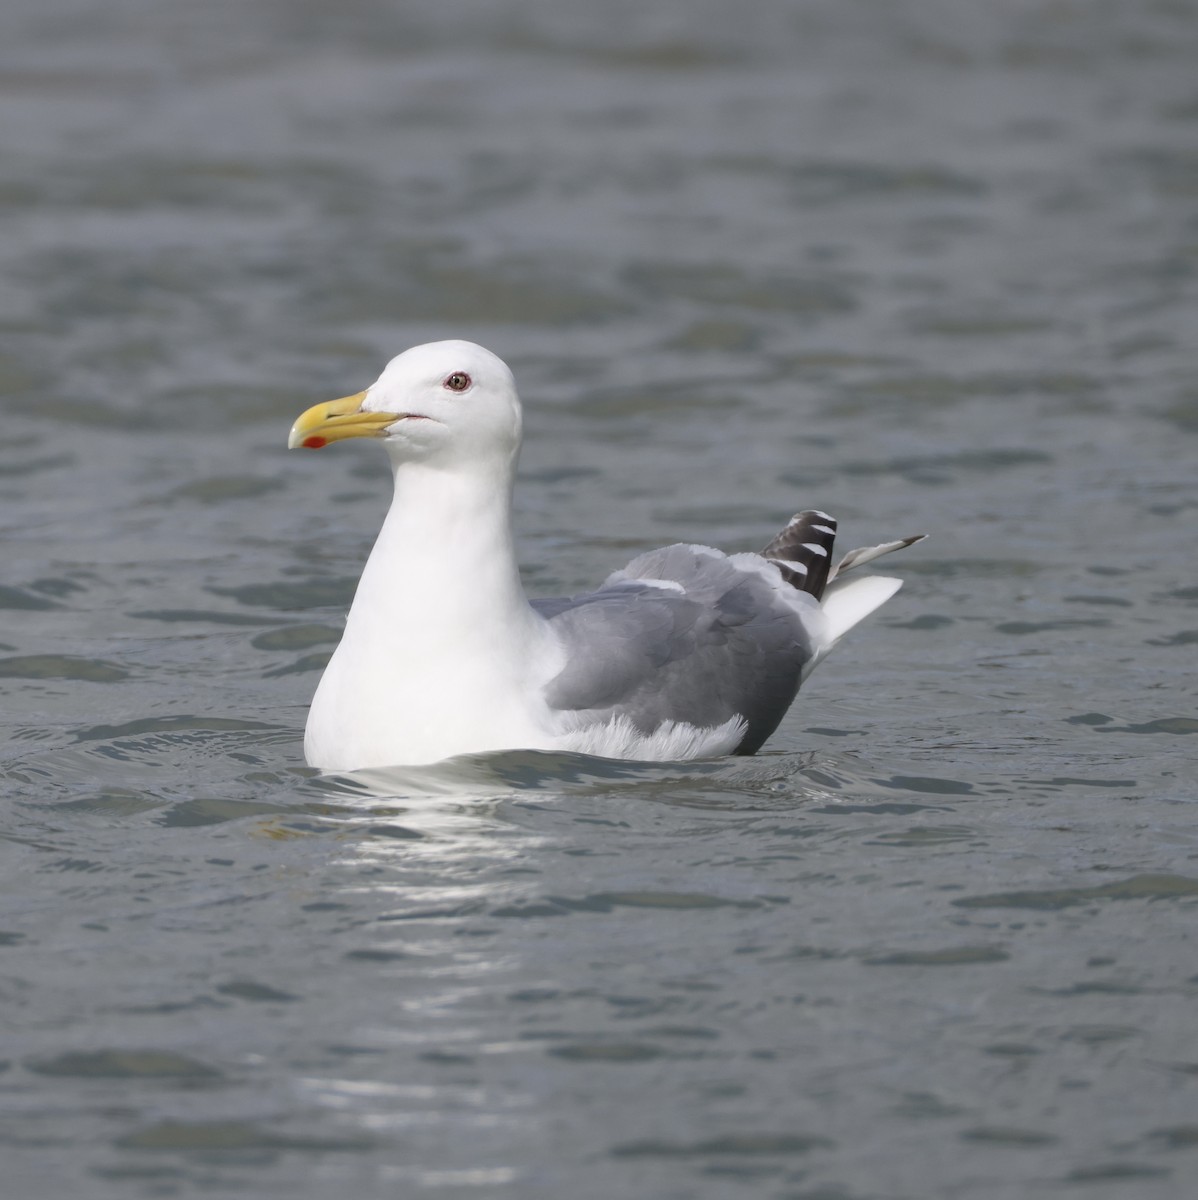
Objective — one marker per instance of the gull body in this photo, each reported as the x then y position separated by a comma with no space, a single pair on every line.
684,653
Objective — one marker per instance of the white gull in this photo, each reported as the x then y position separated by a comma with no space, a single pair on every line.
684,653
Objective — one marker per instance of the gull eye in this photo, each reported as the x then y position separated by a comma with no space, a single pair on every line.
459,381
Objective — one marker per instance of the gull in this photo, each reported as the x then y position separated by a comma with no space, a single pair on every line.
684,653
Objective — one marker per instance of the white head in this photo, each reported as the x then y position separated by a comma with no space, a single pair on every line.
443,403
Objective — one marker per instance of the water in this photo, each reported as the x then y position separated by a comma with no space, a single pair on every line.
929,266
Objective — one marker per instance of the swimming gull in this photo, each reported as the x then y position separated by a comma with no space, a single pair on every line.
685,653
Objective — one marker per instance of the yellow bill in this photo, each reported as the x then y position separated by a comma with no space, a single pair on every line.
336,420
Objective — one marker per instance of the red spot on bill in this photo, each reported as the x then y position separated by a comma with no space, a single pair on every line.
315,443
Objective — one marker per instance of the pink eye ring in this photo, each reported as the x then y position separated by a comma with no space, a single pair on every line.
459,381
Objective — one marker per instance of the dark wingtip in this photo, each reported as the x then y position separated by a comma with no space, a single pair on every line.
802,552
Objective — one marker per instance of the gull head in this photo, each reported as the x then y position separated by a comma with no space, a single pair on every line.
443,402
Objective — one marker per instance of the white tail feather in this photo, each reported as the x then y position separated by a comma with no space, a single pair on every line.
848,602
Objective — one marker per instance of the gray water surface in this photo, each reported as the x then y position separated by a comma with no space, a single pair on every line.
929,266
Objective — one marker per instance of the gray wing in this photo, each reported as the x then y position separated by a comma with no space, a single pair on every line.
683,634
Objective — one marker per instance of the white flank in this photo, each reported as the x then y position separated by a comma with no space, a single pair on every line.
669,742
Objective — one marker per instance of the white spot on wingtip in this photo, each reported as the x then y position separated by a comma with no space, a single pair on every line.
820,550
